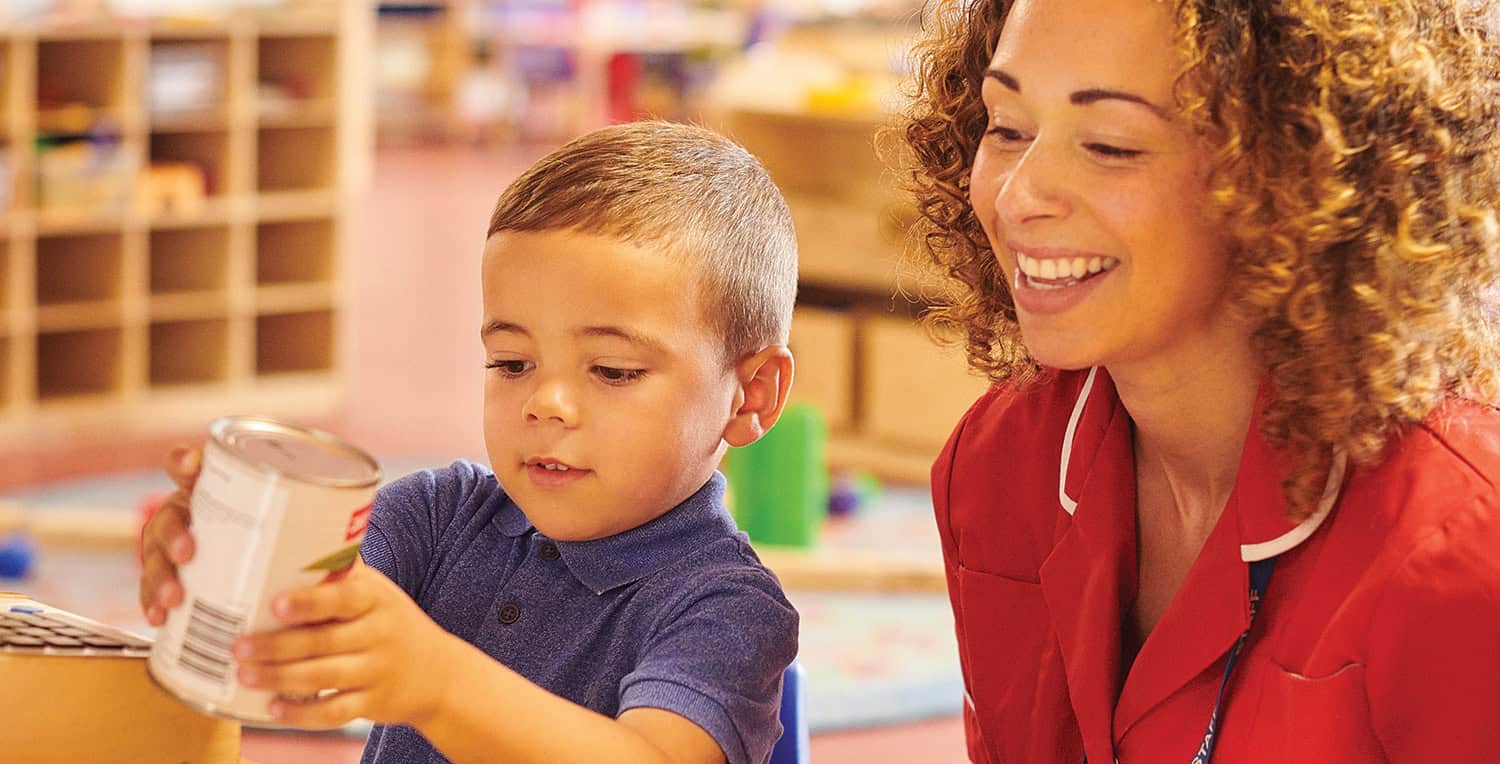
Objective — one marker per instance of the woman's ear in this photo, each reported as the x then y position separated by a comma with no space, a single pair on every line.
765,379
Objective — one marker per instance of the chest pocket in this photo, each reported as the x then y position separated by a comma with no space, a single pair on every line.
1323,719
1014,671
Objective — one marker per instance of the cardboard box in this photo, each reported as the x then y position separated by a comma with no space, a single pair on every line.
102,709
823,346
818,154
847,245
912,390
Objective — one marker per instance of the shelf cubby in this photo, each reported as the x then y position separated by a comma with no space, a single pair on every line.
189,352
208,151
78,363
81,268
186,83
295,159
294,252
295,72
79,73
187,260
294,342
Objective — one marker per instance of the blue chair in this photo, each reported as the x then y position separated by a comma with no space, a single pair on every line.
792,748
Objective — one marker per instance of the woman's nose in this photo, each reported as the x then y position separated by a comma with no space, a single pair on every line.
1033,188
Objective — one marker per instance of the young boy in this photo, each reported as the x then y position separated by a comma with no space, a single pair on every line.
589,599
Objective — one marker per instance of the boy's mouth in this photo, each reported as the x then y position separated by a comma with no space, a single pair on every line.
546,472
551,465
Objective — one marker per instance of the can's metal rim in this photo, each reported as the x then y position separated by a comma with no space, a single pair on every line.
216,710
220,431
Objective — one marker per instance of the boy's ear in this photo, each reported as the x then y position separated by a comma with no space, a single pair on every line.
765,379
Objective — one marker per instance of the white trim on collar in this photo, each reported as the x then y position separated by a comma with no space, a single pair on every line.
1268,549
1070,505
1248,552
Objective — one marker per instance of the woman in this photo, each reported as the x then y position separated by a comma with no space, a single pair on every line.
1232,494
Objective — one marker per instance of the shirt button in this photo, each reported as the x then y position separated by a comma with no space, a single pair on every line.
549,551
509,614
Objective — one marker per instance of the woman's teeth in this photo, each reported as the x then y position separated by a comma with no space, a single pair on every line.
555,467
1059,269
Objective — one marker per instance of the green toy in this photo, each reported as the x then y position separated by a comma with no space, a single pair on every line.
779,484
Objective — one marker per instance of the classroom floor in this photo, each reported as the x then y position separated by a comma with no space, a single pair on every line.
414,385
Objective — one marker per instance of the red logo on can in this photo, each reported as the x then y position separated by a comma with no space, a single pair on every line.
358,522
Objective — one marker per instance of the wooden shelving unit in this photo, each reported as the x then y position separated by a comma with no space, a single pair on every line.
121,317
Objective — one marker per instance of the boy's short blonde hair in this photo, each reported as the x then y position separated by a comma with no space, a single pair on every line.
696,194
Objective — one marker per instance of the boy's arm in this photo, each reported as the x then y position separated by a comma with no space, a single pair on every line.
391,663
491,713
706,689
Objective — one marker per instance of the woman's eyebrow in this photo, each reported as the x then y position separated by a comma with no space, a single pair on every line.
1086,96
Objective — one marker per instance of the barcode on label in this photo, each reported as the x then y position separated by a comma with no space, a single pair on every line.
210,636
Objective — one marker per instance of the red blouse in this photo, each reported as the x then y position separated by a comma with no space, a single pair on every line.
1379,638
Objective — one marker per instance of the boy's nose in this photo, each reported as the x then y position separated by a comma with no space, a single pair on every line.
550,402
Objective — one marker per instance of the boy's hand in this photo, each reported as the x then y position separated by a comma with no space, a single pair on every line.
165,541
362,636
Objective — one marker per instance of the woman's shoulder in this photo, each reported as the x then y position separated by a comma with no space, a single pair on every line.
1451,458
1434,493
1436,605
1468,432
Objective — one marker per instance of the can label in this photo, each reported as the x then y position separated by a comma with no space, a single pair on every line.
258,533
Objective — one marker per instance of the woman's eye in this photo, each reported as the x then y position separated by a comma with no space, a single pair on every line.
510,368
1113,152
616,376
1005,133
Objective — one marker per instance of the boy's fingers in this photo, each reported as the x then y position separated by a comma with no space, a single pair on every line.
182,465
301,643
150,575
326,712
341,600
168,532
303,677
159,587
170,593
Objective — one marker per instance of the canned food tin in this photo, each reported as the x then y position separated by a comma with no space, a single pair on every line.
276,507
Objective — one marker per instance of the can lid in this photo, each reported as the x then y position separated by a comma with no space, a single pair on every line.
297,452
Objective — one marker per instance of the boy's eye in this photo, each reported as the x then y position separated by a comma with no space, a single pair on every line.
615,376
510,368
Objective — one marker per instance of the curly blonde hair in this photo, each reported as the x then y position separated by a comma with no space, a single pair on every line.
1356,164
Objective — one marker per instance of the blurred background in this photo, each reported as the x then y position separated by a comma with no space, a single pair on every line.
277,207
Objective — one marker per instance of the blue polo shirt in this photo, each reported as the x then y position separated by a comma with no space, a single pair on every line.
677,614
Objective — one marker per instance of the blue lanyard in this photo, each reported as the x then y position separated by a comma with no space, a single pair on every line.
1260,579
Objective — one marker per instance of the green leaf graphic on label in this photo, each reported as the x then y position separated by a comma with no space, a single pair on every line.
339,560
